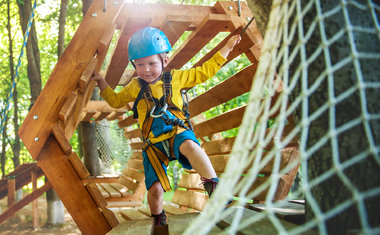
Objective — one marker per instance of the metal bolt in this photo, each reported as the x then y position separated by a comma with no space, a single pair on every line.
248,18
230,8
35,117
94,14
36,139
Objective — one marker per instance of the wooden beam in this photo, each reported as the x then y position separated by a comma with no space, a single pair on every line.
65,76
70,189
207,30
61,139
197,13
87,74
222,146
23,202
127,122
223,122
68,107
236,85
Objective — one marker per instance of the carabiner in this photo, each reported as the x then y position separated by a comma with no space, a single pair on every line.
162,112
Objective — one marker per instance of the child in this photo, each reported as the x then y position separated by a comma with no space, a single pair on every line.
161,111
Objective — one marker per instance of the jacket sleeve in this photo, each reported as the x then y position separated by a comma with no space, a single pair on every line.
200,74
120,99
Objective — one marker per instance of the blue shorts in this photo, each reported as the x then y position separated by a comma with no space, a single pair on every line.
150,174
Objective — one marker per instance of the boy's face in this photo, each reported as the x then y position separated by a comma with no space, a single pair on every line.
150,68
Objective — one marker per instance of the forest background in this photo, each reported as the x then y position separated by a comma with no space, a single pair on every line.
55,22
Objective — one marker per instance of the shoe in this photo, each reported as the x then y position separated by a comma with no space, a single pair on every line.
160,219
209,184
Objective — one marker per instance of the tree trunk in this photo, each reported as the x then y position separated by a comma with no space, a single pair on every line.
363,175
90,148
61,27
32,51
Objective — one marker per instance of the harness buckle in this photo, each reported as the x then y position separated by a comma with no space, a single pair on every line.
162,112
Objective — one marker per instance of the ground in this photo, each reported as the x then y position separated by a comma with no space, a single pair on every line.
22,221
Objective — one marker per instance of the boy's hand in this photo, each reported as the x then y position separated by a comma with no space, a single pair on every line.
102,84
231,43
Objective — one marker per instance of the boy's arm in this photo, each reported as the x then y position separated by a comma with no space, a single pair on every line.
225,51
102,84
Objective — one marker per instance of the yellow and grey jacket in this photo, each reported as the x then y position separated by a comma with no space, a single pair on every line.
180,79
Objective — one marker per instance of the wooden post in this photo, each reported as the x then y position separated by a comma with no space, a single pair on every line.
11,190
70,188
33,174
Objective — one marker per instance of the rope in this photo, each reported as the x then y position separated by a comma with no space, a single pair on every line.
5,111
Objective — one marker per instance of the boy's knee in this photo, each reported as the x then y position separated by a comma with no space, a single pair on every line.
156,189
187,146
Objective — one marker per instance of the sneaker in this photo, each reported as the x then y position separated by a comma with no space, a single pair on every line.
160,219
209,184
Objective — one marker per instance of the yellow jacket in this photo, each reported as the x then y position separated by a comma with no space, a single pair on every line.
180,79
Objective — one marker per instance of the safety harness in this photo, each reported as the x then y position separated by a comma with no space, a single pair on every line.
158,109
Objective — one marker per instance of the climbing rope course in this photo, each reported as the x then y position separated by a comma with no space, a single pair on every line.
5,111
326,53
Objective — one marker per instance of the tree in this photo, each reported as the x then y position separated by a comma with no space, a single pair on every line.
362,176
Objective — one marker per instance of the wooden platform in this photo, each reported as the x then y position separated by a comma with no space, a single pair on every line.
177,224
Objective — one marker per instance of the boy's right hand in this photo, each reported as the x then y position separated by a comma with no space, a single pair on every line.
102,84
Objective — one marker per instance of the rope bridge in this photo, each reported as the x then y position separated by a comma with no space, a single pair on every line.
326,54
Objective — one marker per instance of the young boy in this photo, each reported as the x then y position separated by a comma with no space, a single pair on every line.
167,132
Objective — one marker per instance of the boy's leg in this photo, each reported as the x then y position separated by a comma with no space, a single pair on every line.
201,163
198,159
155,201
155,198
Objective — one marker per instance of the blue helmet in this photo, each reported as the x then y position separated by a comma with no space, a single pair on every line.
146,42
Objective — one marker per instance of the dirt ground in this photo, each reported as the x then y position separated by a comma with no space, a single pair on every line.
22,221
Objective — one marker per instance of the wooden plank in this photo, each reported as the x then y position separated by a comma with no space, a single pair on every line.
143,226
136,145
111,190
219,162
79,167
191,181
104,44
96,194
124,202
210,27
134,174
34,177
127,122
98,179
172,210
102,116
217,147
119,59
127,182
175,25
223,122
87,74
110,217
11,191
65,76
136,133
120,188
135,163
23,202
190,199
71,190
179,223
137,155
196,12
234,86
88,114
261,226
68,107
291,212
61,139
132,214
